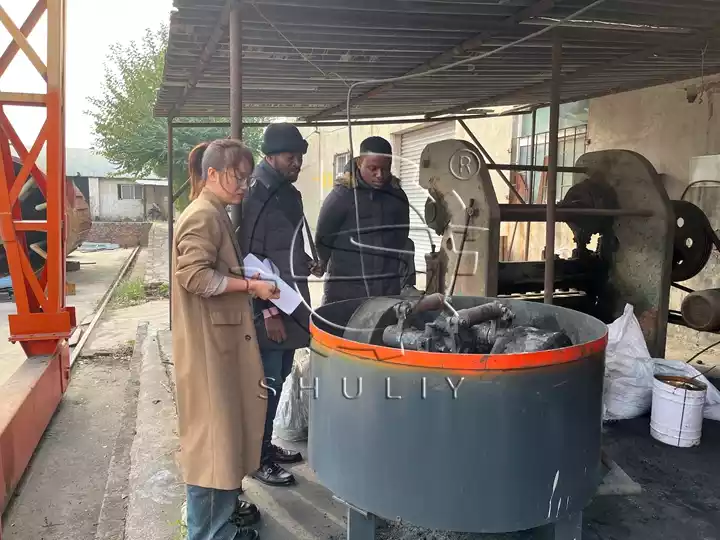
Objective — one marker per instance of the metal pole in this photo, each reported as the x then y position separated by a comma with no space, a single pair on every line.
533,168
531,183
182,190
171,212
552,168
489,159
236,100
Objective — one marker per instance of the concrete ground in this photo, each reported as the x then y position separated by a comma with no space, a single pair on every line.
77,486
97,272
61,494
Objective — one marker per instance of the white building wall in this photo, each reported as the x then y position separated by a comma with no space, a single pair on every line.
114,209
660,124
94,192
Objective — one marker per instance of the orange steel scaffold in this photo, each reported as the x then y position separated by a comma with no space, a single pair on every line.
43,322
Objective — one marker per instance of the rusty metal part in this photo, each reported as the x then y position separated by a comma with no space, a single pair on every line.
531,168
367,322
584,274
433,272
79,219
536,213
34,207
639,250
618,195
483,313
432,325
437,215
593,193
693,242
430,302
701,310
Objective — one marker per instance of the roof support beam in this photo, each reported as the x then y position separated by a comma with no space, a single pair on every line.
555,89
205,57
468,45
520,93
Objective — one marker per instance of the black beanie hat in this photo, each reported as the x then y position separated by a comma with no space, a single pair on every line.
375,145
282,137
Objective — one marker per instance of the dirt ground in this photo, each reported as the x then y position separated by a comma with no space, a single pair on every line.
97,272
61,495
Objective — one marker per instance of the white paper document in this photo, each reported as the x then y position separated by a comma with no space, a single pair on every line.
289,298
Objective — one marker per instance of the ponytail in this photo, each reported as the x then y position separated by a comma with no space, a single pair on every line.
195,169
221,154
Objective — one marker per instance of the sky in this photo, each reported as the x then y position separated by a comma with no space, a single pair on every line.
92,27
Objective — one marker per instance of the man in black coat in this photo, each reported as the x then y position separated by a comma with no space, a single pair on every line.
375,256
272,228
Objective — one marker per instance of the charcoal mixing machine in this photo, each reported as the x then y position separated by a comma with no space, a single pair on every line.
463,414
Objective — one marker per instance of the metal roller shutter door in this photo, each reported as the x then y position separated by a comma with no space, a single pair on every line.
412,144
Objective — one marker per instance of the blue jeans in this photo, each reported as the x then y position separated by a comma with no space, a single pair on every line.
277,365
209,512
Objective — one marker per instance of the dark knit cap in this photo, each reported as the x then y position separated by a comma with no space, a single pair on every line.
282,137
375,145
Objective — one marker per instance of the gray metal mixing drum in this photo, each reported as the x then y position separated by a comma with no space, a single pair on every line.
458,442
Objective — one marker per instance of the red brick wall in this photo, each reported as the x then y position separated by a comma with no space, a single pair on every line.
125,234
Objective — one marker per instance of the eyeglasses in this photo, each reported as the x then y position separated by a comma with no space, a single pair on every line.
243,181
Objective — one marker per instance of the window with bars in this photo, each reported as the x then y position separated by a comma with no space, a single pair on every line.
572,143
130,192
340,161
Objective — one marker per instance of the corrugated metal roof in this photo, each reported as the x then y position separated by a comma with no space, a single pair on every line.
299,56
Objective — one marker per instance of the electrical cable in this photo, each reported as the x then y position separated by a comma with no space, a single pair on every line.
470,214
464,61
440,69
692,184
683,288
302,55
703,351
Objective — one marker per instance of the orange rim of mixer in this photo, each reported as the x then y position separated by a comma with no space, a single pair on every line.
464,362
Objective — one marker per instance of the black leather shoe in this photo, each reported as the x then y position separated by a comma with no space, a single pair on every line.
247,534
273,474
280,455
245,514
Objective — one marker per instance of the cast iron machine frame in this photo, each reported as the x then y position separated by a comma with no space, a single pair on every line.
617,194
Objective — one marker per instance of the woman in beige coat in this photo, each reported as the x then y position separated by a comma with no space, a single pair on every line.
221,411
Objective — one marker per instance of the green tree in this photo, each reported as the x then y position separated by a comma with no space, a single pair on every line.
127,133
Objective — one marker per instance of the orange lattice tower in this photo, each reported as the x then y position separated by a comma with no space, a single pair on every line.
43,322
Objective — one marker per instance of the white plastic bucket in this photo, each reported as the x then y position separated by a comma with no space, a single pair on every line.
677,410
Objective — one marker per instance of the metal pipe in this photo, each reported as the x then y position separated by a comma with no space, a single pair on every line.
182,190
371,121
490,160
531,183
534,168
549,287
537,212
103,304
701,310
236,100
171,213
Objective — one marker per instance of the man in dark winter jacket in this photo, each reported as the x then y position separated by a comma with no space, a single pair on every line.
272,217
374,257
